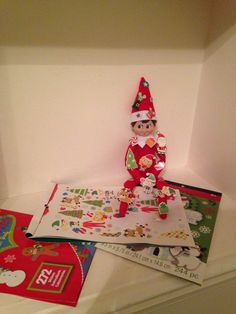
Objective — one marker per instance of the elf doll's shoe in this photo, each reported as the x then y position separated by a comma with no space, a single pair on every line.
163,210
122,210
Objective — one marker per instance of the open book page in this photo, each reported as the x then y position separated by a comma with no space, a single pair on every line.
89,214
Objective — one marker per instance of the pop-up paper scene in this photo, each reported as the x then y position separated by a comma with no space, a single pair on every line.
161,224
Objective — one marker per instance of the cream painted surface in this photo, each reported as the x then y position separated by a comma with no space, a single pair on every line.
213,144
69,74
66,123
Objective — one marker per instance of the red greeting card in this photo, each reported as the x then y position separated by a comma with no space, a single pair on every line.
47,271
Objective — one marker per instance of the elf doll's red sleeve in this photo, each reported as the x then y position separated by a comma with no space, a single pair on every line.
132,164
161,152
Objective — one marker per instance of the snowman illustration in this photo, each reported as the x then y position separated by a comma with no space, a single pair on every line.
193,216
12,278
186,257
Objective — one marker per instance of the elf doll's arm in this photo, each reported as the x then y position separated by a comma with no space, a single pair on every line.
161,152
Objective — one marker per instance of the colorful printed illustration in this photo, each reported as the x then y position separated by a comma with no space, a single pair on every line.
201,207
44,271
125,196
7,226
96,217
138,231
37,249
12,278
193,216
186,257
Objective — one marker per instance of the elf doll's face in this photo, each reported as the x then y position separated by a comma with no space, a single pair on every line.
144,128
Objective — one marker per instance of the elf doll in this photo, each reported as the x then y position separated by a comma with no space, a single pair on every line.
146,154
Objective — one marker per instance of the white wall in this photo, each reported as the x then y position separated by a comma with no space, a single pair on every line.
213,146
68,122
69,74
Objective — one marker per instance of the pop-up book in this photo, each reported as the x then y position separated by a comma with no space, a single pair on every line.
46,271
201,208
90,214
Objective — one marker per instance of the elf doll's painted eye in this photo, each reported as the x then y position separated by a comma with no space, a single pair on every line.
148,126
139,126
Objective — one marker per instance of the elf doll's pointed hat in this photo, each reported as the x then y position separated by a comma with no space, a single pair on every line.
143,108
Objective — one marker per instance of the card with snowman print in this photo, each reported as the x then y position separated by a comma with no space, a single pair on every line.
91,214
201,208
43,271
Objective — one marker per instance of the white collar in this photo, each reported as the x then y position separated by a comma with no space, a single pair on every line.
141,140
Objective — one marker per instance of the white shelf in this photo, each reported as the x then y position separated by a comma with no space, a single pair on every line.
70,88
118,285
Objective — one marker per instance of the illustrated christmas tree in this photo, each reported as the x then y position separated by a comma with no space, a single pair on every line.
153,202
97,203
80,191
131,162
73,213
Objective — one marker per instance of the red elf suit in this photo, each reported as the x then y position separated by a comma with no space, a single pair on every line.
146,155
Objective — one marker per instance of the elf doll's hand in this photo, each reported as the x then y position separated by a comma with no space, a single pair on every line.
142,181
147,182
160,166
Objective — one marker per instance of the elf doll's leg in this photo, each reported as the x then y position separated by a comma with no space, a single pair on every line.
131,184
161,198
126,196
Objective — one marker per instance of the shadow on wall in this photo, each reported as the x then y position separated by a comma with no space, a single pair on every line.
165,24
8,134
222,25
3,180
222,18
105,24
111,32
